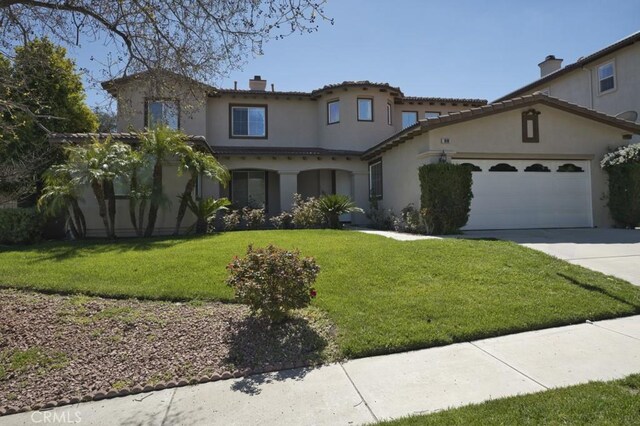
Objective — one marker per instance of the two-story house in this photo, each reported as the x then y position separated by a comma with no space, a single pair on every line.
534,153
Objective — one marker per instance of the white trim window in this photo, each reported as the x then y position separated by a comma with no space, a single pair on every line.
161,112
606,77
375,180
365,109
389,114
431,114
333,111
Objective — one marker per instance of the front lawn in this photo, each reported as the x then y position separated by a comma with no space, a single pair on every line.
383,295
595,403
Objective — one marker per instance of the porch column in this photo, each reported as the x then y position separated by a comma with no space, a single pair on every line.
288,187
360,195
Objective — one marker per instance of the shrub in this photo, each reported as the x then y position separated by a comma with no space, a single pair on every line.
282,221
272,281
254,217
332,206
409,220
445,196
624,194
231,220
20,226
305,212
629,154
380,218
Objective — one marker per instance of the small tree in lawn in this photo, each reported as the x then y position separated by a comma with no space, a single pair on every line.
97,164
197,163
273,281
60,195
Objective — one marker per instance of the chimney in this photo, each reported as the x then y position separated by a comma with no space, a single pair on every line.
549,65
256,83
235,85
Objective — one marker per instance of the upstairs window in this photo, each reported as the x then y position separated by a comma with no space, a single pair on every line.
248,121
432,114
375,180
333,112
409,118
365,109
160,112
389,115
607,77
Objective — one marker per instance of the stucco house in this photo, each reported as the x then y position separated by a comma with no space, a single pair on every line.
535,152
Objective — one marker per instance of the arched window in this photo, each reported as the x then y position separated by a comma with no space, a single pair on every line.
473,167
503,167
537,168
570,168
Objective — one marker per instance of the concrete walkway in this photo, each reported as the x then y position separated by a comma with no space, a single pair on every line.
370,389
610,251
400,236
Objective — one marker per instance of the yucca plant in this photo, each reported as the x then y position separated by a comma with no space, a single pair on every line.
205,210
333,206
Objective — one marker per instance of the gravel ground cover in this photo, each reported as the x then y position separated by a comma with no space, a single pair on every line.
63,347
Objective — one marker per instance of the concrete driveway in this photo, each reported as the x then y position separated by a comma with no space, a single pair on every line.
611,251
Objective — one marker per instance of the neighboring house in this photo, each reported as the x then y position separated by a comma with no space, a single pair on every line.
536,157
607,80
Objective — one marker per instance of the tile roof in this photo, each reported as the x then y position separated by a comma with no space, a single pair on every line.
424,125
129,137
260,92
359,83
447,100
627,41
260,150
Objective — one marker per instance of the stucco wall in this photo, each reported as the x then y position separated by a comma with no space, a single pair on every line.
562,135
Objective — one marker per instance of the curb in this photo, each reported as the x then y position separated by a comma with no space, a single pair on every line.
147,387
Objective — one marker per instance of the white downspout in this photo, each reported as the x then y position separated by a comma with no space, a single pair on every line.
590,86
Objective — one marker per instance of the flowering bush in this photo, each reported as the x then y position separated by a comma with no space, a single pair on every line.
253,217
272,281
231,220
409,221
306,212
283,221
380,218
622,155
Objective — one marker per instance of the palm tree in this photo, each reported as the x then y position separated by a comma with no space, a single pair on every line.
334,205
197,163
60,195
205,210
97,164
161,143
139,190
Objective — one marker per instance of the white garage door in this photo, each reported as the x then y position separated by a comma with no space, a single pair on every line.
520,194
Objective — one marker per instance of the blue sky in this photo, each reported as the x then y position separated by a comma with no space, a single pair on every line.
473,49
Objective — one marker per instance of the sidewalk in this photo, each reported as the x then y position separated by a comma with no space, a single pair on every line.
370,389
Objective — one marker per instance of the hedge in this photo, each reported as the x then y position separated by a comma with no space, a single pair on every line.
624,194
20,226
445,196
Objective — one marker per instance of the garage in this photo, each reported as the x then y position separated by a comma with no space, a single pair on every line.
536,193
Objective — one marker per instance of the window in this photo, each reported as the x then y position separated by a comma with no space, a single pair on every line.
365,109
537,167
472,167
389,118
144,180
530,130
570,168
248,121
375,180
249,189
432,114
409,118
162,112
503,167
607,77
333,112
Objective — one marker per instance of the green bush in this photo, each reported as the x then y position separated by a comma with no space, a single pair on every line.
445,197
254,218
20,226
306,212
272,281
282,221
624,194
332,206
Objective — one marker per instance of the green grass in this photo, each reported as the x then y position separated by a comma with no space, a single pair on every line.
384,295
596,403
19,361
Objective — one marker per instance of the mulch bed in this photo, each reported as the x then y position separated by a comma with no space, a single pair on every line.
65,348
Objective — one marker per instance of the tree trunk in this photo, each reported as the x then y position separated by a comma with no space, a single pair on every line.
141,209
81,224
72,226
188,189
110,196
133,189
201,226
102,206
156,194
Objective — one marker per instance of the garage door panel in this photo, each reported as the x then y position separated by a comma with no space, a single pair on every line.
512,200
